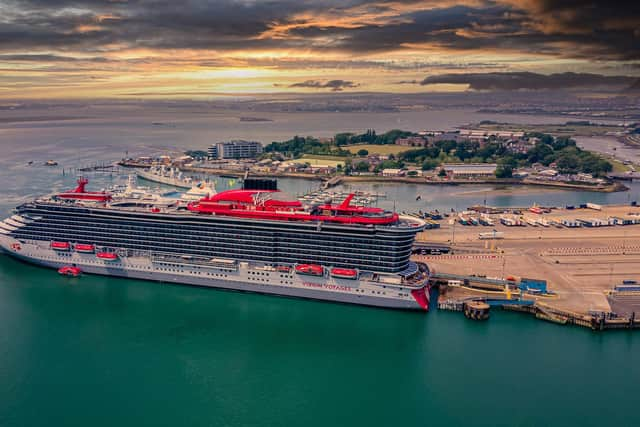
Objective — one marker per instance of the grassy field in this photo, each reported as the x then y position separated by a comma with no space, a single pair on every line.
556,130
315,160
618,166
377,149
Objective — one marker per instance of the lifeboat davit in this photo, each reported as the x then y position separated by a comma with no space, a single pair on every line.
87,249
310,269
60,246
344,273
107,256
69,270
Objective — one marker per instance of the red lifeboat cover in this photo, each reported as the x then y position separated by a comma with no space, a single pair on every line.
62,246
109,256
310,269
347,272
81,247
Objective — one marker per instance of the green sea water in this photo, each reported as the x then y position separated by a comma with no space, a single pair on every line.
98,351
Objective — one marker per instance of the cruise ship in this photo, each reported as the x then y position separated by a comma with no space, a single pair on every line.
247,239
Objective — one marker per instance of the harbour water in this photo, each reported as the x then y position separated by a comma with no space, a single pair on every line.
101,351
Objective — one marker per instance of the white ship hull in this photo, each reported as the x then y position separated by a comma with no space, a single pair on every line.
154,177
244,277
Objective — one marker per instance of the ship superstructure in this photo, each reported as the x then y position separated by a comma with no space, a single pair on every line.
250,240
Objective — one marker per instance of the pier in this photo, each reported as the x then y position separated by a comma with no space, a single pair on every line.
336,180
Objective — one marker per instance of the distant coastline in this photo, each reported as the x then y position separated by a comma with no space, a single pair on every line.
255,119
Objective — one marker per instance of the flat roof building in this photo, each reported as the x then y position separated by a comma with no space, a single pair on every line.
236,149
470,170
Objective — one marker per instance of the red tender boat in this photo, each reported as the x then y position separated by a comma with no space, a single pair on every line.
310,269
60,246
69,270
107,256
344,273
87,249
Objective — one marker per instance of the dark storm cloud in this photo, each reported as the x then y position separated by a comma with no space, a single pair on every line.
530,81
334,85
48,58
564,28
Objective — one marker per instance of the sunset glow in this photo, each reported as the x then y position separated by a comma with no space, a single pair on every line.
144,48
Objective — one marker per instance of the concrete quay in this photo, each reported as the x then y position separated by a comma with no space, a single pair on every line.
580,265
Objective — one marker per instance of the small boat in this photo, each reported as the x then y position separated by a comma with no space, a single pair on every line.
51,163
310,269
69,270
535,210
107,256
344,273
83,248
60,246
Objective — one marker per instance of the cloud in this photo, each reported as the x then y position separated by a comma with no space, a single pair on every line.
530,81
334,85
183,44
563,28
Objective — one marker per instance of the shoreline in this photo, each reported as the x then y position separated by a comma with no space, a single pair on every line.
338,179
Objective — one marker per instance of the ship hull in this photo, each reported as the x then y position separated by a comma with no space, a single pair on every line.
243,279
174,182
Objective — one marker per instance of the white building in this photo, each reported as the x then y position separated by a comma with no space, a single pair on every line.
236,149
470,170
392,172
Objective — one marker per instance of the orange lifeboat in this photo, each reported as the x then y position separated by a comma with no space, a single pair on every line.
107,256
344,273
87,249
60,246
283,268
68,270
310,269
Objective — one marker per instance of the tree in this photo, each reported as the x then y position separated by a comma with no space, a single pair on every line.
539,152
442,172
362,167
348,167
504,171
568,162
429,164
342,138
362,152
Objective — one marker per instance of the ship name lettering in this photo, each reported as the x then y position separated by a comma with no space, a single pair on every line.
326,286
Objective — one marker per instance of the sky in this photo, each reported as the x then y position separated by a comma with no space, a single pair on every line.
202,48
